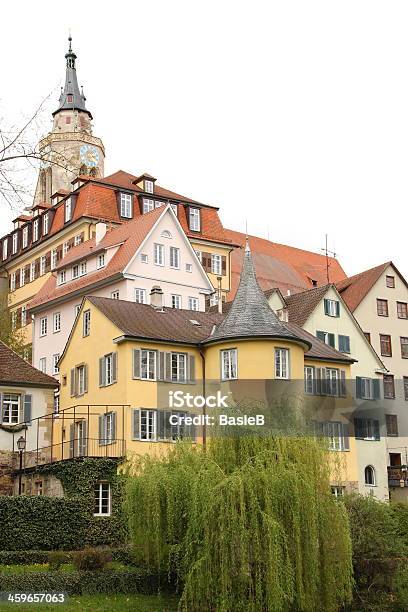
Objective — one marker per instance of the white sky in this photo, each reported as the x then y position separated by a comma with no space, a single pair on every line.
292,115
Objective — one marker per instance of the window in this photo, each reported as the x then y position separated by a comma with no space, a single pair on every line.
390,282
115,295
332,308
70,98
12,281
148,205
367,388
77,309
56,322
108,369
22,277
389,386
126,205
402,310
62,277
45,224
55,359
14,320
5,248
159,254
43,365
15,242
25,237
327,338
309,380
216,264
344,344
336,434
332,381
11,408
405,382
80,380
77,239
176,301
282,363
404,347
148,425
178,367
82,268
166,234
144,258
43,263
102,499
337,491
65,248
56,403
38,488
86,328
148,364
382,308
367,429
75,271
194,218
189,267
367,336
199,256
43,326
101,261
35,230
174,257
68,210
23,316
391,421
369,476
107,428
229,364
193,303
174,209
140,296
385,344
54,259
148,185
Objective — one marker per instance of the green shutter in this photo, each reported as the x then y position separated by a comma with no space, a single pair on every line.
326,307
168,367
343,385
337,309
321,335
358,387
346,440
332,340
376,388
160,365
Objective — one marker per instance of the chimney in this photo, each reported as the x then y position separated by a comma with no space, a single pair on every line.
219,294
156,297
100,231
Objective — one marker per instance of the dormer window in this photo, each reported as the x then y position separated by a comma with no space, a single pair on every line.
101,260
174,207
45,224
70,98
148,205
35,230
5,248
15,243
82,268
126,205
75,271
68,210
25,236
149,186
194,218
62,277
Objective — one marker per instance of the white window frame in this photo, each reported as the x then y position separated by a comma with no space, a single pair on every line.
80,379
43,263
65,248
189,267
149,186
5,248
100,261
35,230
14,320
333,382
148,205
115,295
367,385
174,209
174,258
99,489
282,363
45,224
331,308
12,281
75,272
194,219
43,326
178,367
158,254
176,301
77,239
216,264
108,367
374,483
23,316
67,210
193,303
12,402
148,364
32,271
144,258
82,268
15,242
42,365
140,293
126,205
55,359
54,259
25,237
62,277
22,277
107,427
309,380
56,322
229,364
86,323
148,419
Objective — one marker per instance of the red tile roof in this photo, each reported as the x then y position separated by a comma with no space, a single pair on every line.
16,371
301,305
355,288
283,266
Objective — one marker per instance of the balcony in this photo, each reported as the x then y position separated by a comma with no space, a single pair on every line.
397,476
71,449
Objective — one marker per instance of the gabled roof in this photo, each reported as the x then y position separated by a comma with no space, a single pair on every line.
283,266
318,349
250,315
354,289
301,305
16,371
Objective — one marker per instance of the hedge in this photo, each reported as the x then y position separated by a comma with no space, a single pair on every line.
84,583
122,554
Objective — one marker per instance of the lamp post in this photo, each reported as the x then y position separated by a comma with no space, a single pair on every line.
21,444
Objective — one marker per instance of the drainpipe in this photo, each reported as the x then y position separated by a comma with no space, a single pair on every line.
204,406
219,293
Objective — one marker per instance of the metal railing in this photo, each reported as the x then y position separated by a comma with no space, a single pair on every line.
397,476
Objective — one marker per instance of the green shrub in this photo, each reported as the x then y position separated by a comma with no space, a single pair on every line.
57,558
90,559
23,557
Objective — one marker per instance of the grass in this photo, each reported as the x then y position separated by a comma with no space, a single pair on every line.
104,603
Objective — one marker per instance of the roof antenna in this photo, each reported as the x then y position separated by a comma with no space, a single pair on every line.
327,253
246,237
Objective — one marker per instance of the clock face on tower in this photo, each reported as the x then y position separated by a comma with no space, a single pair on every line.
89,155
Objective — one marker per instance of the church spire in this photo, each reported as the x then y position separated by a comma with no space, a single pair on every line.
71,97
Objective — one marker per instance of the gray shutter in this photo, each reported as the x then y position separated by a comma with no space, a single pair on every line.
359,428
323,381
84,438
326,307
376,388
161,425
1,407
376,428
318,382
358,387
71,439
160,365
113,426
101,372
337,309
136,363
100,426
332,340
192,368
135,423
73,385
346,440
321,335
85,378
168,367
343,386
27,403
114,367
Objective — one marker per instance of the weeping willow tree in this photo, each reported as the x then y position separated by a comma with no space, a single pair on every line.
248,525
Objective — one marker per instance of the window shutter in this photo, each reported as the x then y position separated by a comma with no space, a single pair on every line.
318,382
190,432
73,385
100,425
135,424
1,407
358,387
326,307
84,438
376,429
27,409
85,378
337,309
332,340
376,388
160,366
346,437
321,335
192,368
114,366
71,439
359,428
102,372
323,381
161,425
347,344
168,367
343,386
113,426
223,265
136,363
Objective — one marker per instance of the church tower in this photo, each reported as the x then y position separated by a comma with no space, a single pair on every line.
70,149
